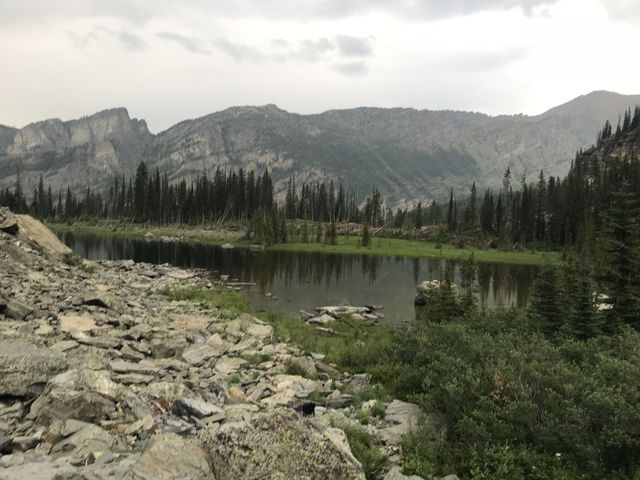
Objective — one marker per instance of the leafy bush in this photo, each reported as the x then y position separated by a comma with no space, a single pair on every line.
367,450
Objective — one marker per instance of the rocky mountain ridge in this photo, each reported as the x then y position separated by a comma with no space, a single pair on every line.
408,154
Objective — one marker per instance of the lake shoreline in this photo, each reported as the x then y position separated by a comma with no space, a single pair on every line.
347,244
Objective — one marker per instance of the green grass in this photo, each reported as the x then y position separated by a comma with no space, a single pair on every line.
345,245
228,300
419,248
366,449
185,233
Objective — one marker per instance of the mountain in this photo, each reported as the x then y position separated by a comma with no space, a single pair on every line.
79,153
408,154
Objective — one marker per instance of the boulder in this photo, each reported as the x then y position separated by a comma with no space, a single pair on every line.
76,323
88,441
404,418
278,445
246,324
170,457
396,474
195,407
85,395
199,353
25,369
17,310
40,235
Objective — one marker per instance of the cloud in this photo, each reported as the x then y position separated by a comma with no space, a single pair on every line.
191,44
625,10
482,61
128,40
239,51
140,11
351,69
131,41
354,46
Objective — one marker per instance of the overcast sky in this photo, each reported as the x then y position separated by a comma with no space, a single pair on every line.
167,61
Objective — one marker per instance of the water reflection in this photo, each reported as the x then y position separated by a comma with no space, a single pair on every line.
302,280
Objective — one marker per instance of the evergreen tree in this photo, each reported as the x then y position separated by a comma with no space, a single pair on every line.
418,219
546,300
623,259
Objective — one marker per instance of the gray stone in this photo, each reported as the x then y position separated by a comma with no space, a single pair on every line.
90,440
128,367
229,365
43,469
278,445
199,353
404,418
170,457
194,407
17,310
25,369
396,474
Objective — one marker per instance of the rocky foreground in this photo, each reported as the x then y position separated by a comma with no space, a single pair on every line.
103,377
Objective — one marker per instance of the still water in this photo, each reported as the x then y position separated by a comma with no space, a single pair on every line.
299,280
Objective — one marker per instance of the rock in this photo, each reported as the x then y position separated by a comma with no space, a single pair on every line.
308,365
25,369
170,457
89,440
396,474
278,445
85,395
246,324
450,477
41,236
44,468
143,368
185,322
76,323
98,299
167,391
229,365
194,407
90,407
199,353
64,345
321,320
218,344
359,381
17,310
404,418
8,221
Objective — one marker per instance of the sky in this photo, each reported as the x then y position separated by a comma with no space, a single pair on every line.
168,61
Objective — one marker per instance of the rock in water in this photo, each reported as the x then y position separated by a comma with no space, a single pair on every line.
279,446
170,457
25,369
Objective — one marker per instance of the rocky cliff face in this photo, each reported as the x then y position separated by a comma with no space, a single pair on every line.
408,154
79,153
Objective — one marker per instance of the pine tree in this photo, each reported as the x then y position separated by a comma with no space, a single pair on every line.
469,273
546,300
418,223
623,259
366,237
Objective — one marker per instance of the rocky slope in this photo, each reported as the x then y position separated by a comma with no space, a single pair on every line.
102,377
408,154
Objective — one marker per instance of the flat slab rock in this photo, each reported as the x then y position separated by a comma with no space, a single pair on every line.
25,369
171,457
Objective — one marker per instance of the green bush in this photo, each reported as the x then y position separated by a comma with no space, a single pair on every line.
367,450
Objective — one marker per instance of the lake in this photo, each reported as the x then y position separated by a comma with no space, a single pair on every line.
291,281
